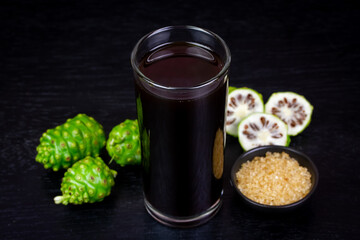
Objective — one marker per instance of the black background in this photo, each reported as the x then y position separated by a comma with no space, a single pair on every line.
60,58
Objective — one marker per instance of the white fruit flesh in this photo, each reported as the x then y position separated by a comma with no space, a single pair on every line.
292,108
259,129
241,103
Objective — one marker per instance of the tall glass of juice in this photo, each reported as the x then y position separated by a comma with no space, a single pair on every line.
181,84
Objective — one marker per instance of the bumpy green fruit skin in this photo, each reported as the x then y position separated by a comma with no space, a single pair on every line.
123,144
65,144
87,181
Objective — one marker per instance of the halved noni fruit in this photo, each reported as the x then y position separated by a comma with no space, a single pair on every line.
260,129
292,108
241,103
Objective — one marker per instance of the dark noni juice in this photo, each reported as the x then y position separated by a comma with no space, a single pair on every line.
181,115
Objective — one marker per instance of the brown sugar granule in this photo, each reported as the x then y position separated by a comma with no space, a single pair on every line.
276,179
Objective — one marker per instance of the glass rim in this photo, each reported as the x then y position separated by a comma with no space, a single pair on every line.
167,28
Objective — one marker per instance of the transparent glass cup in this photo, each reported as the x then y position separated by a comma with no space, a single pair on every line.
182,123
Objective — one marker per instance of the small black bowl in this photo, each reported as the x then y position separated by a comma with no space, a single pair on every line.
303,160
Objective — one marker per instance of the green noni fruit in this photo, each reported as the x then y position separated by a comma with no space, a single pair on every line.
261,129
123,144
87,181
241,103
292,108
63,145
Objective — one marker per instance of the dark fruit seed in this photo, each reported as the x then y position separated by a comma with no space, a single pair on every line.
230,122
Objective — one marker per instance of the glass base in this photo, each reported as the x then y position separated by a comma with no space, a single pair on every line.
183,222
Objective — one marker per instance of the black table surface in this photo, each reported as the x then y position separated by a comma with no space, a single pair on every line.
60,58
